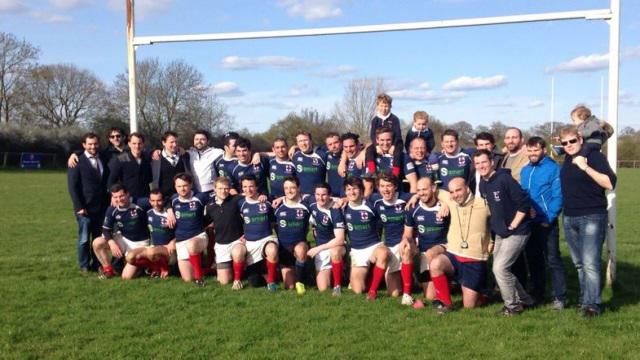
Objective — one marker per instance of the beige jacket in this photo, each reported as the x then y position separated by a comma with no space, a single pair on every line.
519,161
469,221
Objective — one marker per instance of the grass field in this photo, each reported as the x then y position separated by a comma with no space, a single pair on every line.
49,310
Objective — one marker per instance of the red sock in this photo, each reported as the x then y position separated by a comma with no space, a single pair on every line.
196,261
441,284
406,272
238,270
395,170
272,268
336,270
143,262
107,269
378,274
371,166
161,264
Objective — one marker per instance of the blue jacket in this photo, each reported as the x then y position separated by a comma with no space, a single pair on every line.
542,182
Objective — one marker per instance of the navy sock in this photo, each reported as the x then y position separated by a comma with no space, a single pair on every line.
300,271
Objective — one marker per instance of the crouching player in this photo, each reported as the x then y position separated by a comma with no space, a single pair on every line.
329,251
162,251
425,223
222,211
124,229
362,221
191,239
259,242
391,204
468,248
292,226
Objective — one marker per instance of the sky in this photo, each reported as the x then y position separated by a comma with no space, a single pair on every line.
475,74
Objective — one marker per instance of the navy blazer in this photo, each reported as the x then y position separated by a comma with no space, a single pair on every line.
88,189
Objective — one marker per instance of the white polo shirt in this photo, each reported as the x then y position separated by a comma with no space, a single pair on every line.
202,167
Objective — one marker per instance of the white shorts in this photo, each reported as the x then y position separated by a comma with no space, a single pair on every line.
223,251
424,262
181,247
255,249
362,257
393,265
127,245
322,260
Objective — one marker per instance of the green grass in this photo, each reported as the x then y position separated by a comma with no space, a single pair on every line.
48,310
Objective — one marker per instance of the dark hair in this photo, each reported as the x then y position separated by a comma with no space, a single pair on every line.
449,132
203,132
350,135
136,134
117,188
118,130
537,140
331,134
166,135
156,191
513,128
279,138
479,153
323,185
383,129
89,135
354,181
388,177
184,177
484,136
249,177
305,133
291,178
243,143
231,135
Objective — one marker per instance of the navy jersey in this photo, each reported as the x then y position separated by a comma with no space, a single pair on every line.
311,169
353,169
189,215
325,222
362,224
292,223
391,216
161,234
223,166
420,168
384,164
430,230
278,170
260,171
449,167
258,218
130,222
333,178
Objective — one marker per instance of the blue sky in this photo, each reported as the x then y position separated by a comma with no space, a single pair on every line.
479,74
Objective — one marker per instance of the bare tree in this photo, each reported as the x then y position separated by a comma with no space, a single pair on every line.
16,58
358,104
62,95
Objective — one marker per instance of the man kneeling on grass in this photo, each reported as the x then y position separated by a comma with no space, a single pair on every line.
124,230
191,239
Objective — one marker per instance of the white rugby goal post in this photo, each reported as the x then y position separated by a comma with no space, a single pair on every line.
610,15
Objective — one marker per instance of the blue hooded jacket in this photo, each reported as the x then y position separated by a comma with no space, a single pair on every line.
542,182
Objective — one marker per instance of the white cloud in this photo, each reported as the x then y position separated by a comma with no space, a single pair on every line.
428,96
583,63
475,83
69,4
336,71
226,89
143,8
274,104
502,103
12,6
425,85
279,62
312,9
49,17
631,52
535,104
302,90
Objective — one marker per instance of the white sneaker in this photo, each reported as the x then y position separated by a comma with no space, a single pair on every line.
237,285
407,300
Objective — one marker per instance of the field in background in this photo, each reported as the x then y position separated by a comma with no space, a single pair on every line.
47,309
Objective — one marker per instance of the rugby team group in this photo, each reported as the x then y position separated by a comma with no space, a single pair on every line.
379,207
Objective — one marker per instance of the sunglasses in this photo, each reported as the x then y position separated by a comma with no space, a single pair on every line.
115,136
572,141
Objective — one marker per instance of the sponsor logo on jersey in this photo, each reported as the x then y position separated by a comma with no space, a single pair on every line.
420,218
444,172
421,229
178,214
383,217
283,223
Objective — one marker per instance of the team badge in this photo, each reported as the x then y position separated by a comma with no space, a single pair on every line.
192,205
133,213
496,196
315,161
299,213
399,208
288,169
262,208
462,161
325,220
364,215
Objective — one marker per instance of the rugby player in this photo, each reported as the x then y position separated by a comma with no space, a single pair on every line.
362,220
334,154
222,164
390,204
191,239
453,161
417,164
329,251
124,229
311,165
244,166
384,157
280,166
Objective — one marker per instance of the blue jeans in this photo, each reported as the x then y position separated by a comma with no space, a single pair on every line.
88,229
585,235
546,239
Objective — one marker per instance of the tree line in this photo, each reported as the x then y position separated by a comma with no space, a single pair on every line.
46,107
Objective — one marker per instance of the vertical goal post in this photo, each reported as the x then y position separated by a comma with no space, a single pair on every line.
610,15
